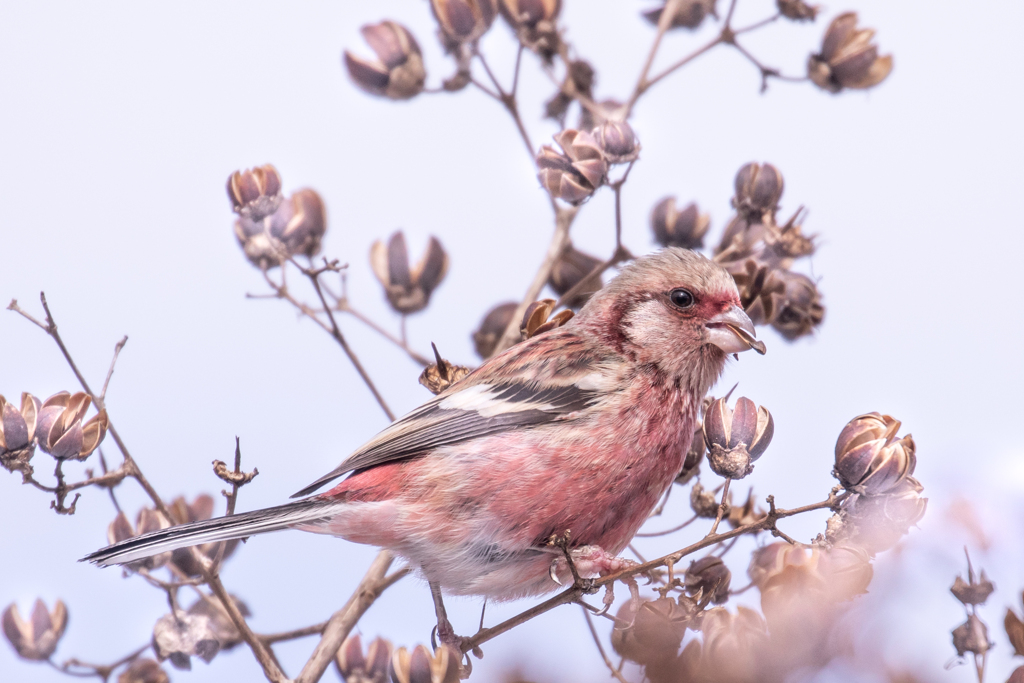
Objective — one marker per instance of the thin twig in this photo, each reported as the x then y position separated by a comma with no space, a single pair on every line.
110,373
600,648
721,508
674,529
664,22
294,634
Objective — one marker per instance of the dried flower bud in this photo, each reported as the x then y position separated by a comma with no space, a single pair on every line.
748,513
708,577
694,455
618,141
766,561
736,437
869,457
398,72
256,192
654,632
487,336
758,190
60,429
536,318
847,58
571,269
529,13
373,667
846,570
577,172
300,222
420,666
144,670
464,21
971,636
1015,632
220,621
185,513
974,591
734,644
797,10
675,228
703,503
408,290
689,13
17,433
876,523
147,520
798,310
37,638
441,374
179,637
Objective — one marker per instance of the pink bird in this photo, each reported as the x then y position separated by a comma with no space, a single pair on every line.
580,429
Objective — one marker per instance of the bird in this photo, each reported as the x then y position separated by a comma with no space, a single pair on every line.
575,433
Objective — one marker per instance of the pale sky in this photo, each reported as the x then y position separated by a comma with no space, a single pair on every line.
122,121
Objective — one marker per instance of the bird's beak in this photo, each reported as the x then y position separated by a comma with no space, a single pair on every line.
733,332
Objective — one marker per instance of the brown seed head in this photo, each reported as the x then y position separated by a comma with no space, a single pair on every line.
179,637
17,433
971,636
408,289
255,193
398,71
441,374
877,523
975,590
37,638
748,513
144,670
847,58
420,666
708,577
796,310
758,190
654,631
575,173
463,21
1017,675
869,457
220,621
736,437
1015,632
688,14
734,644
617,141
300,222
61,429
373,667
537,318
797,10
486,337
529,13
572,268
679,228
704,503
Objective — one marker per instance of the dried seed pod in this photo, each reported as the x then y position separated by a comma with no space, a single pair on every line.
398,71
572,268
37,638
441,374
846,570
255,193
144,670
300,222
847,58
877,523
654,631
146,521
734,644
575,173
463,21
373,667
688,14
869,457
974,591
420,666
675,228
694,456
408,289
1017,675
798,309
220,621
537,320
736,437
179,637
758,190
17,433
708,577
971,636
534,22
494,324
797,10
199,509
766,561
1014,631
61,431
748,513
618,141
704,503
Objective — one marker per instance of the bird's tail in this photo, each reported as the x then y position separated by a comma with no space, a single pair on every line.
309,511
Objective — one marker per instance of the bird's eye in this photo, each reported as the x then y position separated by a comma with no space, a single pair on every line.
681,298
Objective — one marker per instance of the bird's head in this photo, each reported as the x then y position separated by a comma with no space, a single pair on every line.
675,309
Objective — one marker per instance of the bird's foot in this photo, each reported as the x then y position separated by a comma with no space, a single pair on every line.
586,561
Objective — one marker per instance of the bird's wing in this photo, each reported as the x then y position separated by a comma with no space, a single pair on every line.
544,379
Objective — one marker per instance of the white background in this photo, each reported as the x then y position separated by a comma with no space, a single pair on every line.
121,121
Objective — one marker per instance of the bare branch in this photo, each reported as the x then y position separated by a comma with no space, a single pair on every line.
110,373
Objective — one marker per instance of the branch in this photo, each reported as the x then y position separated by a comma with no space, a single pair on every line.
600,648
340,624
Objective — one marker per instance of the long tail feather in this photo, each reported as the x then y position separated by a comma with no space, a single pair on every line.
211,530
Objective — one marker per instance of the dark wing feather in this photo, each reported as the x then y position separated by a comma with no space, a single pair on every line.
472,409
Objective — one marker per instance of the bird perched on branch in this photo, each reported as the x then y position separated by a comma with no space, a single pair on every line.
580,429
